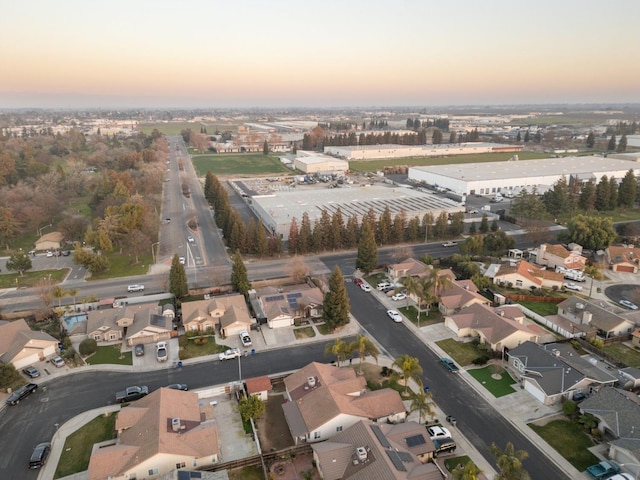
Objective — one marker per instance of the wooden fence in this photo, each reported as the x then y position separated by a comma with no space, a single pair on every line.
534,298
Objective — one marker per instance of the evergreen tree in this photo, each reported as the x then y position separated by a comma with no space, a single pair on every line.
325,230
622,146
252,236
591,140
494,225
519,137
239,279
413,230
612,143
457,224
556,200
352,232
384,227
628,190
317,238
436,138
453,137
398,228
472,228
305,238
337,231
484,224
587,200
262,246
527,137
292,243
613,193
178,278
603,194
367,258
441,226
335,308
265,148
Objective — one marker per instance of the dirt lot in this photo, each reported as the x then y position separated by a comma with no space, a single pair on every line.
273,431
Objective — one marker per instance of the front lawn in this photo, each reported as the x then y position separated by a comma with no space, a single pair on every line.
304,332
568,440
32,279
77,448
463,353
110,354
190,349
498,387
626,355
541,308
412,314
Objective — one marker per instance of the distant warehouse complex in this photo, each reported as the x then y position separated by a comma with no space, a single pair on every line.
373,152
514,176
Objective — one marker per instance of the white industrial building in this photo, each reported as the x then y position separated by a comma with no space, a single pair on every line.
371,152
277,209
318,163
514,176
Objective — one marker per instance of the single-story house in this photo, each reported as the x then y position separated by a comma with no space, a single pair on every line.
623,258
409,267
585,312
149,325
108,326
283,307
258,386
556,255
227,312
554,372
165,430
21,346
460,294
323,400
50,241
367,450
525,275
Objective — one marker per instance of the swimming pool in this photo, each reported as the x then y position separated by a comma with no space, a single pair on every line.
71,321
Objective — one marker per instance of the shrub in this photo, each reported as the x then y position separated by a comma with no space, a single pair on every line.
569,408
481,360
204,341
88,346
385,372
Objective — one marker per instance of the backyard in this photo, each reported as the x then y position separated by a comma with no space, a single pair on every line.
626,355
569,440
110,354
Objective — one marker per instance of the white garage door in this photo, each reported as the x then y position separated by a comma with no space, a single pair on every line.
534,390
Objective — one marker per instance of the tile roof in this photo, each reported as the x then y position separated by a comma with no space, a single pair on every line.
16,335
531,272
258,384
618,408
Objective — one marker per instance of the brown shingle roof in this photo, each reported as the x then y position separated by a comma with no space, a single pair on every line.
258,384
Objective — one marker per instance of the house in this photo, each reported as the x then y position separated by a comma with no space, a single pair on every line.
21,346
108,326
585,312
148,325
623,258
557,255
635,338
50,241
618,412
229,313
409,267
283,307
554,372
258,386
370,451
525,275
165,430
460,294
496,328
323,400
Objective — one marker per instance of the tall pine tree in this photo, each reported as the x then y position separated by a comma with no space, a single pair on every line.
367,258
239,279
335,307
177,278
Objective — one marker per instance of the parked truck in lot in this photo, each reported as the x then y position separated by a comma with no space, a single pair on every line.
603,470
131,393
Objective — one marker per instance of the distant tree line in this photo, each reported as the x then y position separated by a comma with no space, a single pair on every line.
417,124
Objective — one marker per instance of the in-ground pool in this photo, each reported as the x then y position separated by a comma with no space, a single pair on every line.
71,320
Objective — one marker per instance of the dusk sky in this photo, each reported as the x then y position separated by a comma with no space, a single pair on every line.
285,53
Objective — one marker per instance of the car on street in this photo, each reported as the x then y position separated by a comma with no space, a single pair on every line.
139,350
450,244
21,393
31,372
130,394
438,432
182,260
394,315
49,254
229,354
57,361
358,281
191,239
245,338
161,351
365,288
573,286
39,455
399,296
178,386
628,304
449,365
135,288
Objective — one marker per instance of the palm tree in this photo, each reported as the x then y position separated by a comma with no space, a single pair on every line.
426,296
364,346
413,287
422,403
410,368
439,281
509,462
72,292
339,348
59,293
469,471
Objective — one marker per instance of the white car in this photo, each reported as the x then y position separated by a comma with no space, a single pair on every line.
399,296
229,354
182,260
245,338
438,432
191,240
573,286
628,304
383,285
135,288
49,254
161,351
365,287
394,315
450,244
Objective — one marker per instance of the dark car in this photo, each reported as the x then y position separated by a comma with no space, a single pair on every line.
449,365
40,455
178,386
31,372
21,393
139,350
66,253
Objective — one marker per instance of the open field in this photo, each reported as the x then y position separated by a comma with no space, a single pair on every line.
174,128
122,266
239,164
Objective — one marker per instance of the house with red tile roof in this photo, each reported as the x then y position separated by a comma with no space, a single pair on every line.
258,386
556,255
324,399
623,258
165,430
525,275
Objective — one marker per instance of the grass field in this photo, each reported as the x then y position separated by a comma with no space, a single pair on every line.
623,353
31,279
569,441
462,353
541,308
110,355
498,387
174,128
77,448
239,164
122,266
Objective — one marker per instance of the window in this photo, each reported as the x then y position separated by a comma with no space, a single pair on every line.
97,338
112,336
153,471
339,429
518,283
316,435
180,465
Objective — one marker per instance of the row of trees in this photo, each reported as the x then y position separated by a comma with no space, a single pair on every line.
416,123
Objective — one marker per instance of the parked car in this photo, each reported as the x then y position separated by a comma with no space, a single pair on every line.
603,470
365,287
628,304
229,354
49,254
135,288
178,386
383,285
399,296
139,350
40,455
358,281
57,361
394,315
31,372
573,286
131,393
450,244
449,365
245,338
161,351
438,432
182,260
21,393
443,445
66,253
191,239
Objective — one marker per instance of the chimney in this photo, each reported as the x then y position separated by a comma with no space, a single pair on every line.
311,382
175,424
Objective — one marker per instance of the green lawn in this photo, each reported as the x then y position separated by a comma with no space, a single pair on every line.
497,387
568,440
174,128
32,279
24,242
541,308
463,353
412,314
189,349
110,355
304,332
77,448
623,353
453,462
122,266
239,164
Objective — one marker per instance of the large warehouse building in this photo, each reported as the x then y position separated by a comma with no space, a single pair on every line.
318,163
514,176
277,209
372,152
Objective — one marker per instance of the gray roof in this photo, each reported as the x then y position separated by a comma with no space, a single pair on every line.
619,409
601,318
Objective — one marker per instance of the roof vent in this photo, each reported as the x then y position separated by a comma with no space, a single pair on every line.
555,352
580,306
311,381
175,424
362,453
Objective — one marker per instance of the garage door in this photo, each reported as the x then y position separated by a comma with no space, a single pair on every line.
624,268
534,390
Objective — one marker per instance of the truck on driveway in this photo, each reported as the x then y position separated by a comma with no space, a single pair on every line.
603,470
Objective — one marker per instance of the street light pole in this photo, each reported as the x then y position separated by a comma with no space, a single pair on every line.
153,252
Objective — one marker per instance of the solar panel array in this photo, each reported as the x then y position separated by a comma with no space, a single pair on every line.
185,475
380,436
274,298
396,460
415,440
